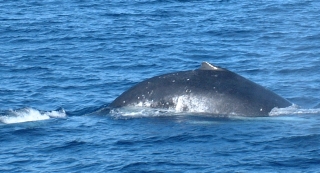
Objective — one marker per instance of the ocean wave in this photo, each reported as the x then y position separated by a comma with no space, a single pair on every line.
30,114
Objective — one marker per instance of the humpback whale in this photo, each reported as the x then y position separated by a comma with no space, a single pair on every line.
209,89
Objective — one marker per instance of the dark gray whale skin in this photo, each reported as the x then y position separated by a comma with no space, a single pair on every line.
209,89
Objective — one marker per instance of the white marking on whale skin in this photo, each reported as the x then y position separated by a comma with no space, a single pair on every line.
146,103
181,104
150,93
190,104
188,90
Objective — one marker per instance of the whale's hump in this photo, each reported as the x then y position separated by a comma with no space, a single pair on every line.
208,66
209,89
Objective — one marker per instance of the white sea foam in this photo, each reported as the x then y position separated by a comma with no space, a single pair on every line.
30,114
187,104
139,112
292,110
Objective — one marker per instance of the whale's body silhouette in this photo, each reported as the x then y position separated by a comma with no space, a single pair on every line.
209,89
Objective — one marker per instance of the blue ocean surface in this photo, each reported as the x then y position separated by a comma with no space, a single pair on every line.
61,61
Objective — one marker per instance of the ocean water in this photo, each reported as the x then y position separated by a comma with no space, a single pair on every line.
61,61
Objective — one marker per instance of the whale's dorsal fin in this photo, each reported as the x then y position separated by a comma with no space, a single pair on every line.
208,66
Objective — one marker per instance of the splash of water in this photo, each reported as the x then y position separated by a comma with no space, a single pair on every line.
30,114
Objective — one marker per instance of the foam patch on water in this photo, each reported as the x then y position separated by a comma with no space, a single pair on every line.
293,110
139,112
30,114
190,105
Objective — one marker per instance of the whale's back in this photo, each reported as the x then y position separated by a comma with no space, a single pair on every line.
208,89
